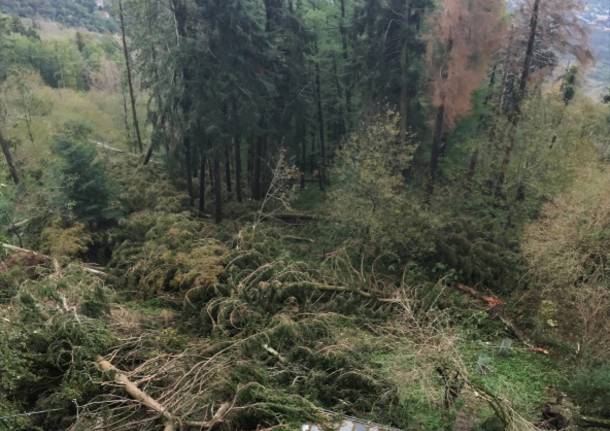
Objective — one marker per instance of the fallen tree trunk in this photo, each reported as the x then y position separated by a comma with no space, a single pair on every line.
137,394
494,307
591,422
47,258
170,420
294,218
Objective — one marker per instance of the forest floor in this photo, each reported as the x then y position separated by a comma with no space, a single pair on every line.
254,323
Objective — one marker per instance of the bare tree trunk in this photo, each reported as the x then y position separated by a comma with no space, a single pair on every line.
238,180
321,127
228,169
9,159
148,155
348,91
529,54
136,124
189,170
257,168
125,113
404,93
472,167
217,191
341,123
237,149
436,147
202,163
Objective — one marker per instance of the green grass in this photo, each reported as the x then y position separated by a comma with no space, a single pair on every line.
521,376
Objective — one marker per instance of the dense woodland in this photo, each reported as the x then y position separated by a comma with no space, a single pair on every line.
74,13
257,214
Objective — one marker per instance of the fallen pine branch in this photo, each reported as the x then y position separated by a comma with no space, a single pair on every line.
295,218
494,306
339,289
15,249
112,149
171,421
137,394
18,225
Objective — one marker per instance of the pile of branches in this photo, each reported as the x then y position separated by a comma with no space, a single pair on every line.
277,342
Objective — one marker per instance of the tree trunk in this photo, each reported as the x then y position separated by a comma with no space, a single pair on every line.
237,149
321,126
529,54
404,93
136,124
228,169
9,159
217,191
472,168
188,156
341,122
125,112
508,153
303,140
436,146
202,164
347,84
515,114
257,169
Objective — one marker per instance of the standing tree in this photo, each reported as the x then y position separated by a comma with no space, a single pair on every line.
132,96
463,36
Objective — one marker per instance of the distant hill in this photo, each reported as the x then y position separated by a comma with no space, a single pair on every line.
597,16
74,13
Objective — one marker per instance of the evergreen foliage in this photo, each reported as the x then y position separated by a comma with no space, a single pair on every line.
85,189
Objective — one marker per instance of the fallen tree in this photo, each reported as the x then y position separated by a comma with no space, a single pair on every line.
494,307
171,422
87,268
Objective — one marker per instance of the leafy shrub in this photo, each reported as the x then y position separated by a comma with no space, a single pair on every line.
591,389
568,251
370,197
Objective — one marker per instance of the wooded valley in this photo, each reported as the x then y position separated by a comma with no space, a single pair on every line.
260,215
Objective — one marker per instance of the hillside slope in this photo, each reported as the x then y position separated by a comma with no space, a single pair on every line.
73,13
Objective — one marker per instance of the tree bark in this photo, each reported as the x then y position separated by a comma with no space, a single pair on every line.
181,16
321,127
340,131
227,165
436,146
202,164
188,156
9,159
217,191
529,53
347,84
237,149
136,124
257,168
516,111
404,93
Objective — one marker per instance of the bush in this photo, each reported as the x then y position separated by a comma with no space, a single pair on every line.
370,197
86,190
591,389
568,251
